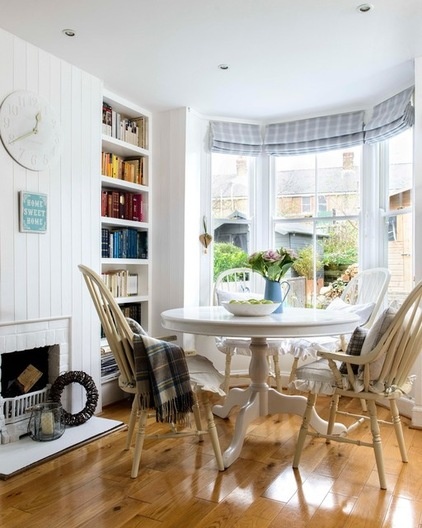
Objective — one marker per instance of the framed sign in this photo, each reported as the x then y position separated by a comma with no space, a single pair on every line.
33,212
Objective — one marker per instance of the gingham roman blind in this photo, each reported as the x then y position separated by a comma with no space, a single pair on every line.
314,135
235,138
391,117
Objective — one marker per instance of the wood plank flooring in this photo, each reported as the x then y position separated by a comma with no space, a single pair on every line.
179,485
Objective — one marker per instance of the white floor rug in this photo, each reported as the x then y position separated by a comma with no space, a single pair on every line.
25,453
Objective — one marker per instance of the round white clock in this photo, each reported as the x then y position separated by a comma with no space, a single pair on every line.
30,130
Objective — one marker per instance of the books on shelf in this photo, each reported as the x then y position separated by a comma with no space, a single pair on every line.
121,283
109,368
132,310
133,130
128,169
119,204
124,243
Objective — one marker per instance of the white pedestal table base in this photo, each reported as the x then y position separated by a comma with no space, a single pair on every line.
260,400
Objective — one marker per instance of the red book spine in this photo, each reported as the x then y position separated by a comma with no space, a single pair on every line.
137,207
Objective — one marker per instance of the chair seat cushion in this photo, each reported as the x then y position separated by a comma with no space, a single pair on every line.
315,377
240,346
364,311
204,375
303,348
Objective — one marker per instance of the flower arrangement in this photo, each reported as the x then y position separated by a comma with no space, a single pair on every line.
272,264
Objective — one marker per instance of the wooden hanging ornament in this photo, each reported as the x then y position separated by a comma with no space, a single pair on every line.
205,238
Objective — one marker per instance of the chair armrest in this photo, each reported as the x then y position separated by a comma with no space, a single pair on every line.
345,358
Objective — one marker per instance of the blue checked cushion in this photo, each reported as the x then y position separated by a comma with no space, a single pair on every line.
354,347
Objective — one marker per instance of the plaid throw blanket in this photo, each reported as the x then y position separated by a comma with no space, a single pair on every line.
162,379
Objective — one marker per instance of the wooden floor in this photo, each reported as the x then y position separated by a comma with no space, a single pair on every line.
179,485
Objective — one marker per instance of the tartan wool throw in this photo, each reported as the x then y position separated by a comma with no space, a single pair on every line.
162,379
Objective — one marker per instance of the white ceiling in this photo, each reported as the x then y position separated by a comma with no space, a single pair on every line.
287,58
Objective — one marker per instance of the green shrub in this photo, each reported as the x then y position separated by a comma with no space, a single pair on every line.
227,256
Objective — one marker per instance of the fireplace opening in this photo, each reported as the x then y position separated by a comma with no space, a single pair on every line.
29,365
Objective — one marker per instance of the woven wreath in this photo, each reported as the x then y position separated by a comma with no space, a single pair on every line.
76,376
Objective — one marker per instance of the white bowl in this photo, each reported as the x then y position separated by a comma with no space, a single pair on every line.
250,309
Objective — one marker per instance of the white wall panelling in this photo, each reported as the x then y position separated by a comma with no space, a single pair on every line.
38,272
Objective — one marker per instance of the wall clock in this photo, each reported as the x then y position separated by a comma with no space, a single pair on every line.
30,130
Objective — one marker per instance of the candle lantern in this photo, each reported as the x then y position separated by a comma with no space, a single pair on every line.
46,422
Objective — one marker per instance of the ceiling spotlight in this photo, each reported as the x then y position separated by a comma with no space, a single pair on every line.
69,32
223,66
365,8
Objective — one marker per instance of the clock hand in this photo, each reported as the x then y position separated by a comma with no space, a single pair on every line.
33,131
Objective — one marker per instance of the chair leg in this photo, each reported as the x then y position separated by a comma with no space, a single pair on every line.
197,416
332,418
212,430
376,440
227,373
139,443
132,422
277,373
398,430
310,404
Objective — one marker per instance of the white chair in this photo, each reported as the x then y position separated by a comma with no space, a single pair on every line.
236,283
205,379
365,295
379,373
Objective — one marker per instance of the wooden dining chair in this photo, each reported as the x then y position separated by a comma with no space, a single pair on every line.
364,295
375,371
205,379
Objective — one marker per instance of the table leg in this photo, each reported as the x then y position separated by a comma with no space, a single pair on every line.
253,400
235,397
294,404
247,414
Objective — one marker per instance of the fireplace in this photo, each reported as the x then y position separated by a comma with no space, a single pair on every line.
48,336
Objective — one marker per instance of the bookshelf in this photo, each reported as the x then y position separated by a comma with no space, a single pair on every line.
125,217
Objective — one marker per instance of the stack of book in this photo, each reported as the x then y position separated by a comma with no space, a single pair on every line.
131,130
118,204
124,243
109,368
121,283
127,169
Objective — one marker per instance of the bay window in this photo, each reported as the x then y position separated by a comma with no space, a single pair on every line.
337,189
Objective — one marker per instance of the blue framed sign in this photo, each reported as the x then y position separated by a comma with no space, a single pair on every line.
33,212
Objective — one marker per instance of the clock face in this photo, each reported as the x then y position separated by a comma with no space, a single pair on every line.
30,130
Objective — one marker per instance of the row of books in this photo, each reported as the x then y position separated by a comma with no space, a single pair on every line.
132,310
124,243
127,169
130,130
121,283
125,205
109,368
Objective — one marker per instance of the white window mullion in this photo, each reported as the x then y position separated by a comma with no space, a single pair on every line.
373,202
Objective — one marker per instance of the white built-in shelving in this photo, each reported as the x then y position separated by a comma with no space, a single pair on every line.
126,185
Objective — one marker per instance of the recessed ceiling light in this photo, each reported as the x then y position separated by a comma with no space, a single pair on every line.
365,8
69,32
223,66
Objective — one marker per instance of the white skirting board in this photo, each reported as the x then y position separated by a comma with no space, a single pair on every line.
25,453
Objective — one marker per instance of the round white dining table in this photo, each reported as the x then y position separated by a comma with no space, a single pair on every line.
259,399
